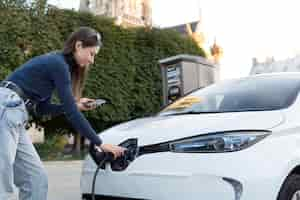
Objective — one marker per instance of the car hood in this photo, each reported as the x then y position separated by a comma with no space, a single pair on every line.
159,129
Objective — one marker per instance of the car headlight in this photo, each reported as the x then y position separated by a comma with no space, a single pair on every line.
218,142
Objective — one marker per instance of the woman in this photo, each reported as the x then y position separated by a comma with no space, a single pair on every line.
30,88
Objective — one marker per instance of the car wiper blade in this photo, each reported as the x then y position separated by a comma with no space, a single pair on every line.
250,110
191,113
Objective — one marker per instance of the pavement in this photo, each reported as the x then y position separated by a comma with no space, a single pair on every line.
64,180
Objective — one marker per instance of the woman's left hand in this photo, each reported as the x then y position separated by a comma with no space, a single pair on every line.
85,104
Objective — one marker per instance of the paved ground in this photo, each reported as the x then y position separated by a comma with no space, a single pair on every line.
64,180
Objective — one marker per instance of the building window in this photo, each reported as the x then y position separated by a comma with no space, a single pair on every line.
88,3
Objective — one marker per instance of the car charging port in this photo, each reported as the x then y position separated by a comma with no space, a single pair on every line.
121,163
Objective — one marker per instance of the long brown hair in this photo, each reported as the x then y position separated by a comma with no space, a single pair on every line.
89,38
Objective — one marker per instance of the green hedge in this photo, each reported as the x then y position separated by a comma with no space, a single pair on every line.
126,71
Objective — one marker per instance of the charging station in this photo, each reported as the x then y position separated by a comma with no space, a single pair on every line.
183,73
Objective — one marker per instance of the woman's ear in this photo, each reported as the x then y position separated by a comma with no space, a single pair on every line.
78,45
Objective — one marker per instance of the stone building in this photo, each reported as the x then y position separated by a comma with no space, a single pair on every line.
128,13
271,65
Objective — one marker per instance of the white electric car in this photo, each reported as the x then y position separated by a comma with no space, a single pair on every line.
234,140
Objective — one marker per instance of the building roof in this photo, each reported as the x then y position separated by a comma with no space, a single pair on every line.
181,28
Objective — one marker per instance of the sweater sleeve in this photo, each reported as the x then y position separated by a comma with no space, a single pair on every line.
62,81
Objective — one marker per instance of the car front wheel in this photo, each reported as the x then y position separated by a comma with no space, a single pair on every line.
290,190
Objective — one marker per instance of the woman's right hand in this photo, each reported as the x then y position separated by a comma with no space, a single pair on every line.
117,151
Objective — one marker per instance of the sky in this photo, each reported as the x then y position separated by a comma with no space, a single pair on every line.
243,28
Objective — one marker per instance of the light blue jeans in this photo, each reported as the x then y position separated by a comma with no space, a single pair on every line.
20,164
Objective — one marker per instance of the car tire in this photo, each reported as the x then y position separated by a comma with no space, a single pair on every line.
290,190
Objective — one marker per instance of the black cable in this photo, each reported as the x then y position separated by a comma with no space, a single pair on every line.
95,175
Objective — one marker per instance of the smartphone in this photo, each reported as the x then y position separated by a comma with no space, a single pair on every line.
97,102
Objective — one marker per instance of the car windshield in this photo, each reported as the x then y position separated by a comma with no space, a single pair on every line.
248,94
